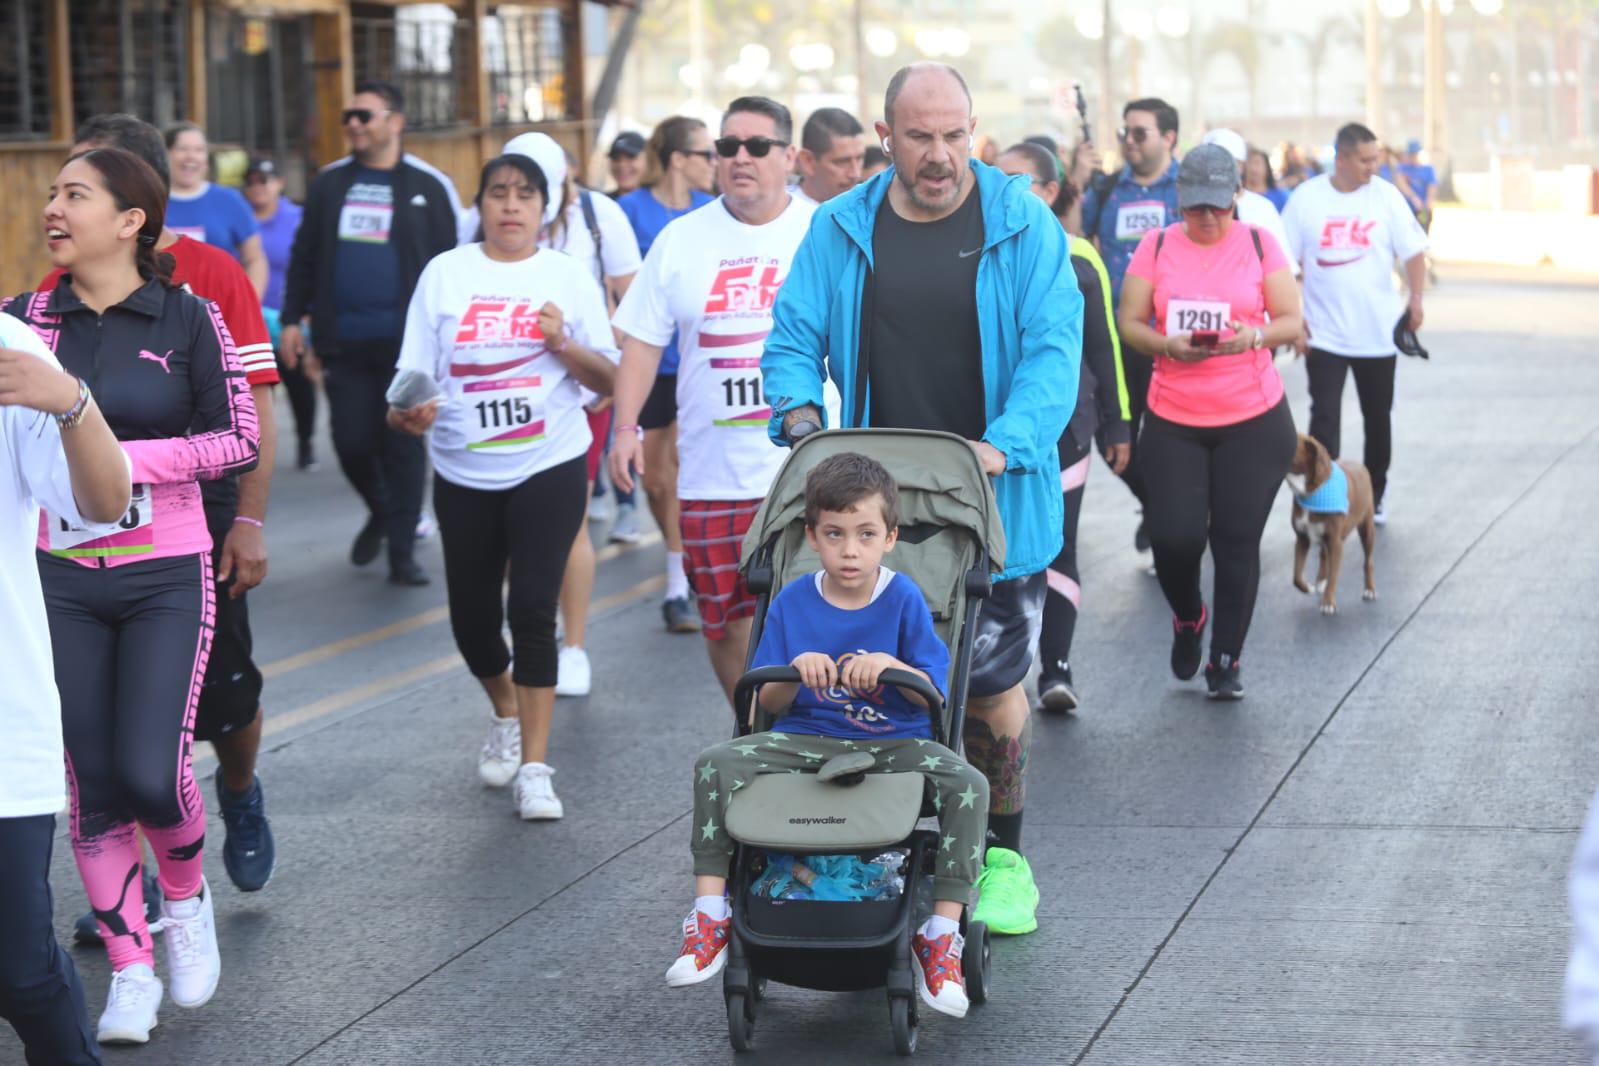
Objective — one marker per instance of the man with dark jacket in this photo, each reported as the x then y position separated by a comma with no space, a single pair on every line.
372,221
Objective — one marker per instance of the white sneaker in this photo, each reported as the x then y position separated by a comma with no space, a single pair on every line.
502,751
1380,512
601,507
425,526
130,1006
573,675
194,965
626,530
535,796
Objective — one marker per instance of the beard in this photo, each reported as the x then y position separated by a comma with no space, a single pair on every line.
925,203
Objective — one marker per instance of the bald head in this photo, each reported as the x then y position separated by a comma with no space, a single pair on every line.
938,81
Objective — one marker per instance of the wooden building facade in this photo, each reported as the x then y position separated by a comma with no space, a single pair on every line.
271,76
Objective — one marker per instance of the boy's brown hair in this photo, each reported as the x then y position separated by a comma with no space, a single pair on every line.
841,482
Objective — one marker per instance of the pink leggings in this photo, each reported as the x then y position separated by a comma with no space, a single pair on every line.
131,644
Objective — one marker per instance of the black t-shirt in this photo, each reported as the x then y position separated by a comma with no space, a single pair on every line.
926,359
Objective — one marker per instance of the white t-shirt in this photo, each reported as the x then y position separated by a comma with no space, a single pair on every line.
1346,243
797,191
1259,211
33,472
510,408
714,279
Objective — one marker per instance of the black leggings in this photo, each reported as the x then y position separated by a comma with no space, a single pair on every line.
531,527
1374,385
1137,368
1061,602
1215,482
301,391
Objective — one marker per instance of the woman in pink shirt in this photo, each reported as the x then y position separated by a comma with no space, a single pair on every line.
1208,299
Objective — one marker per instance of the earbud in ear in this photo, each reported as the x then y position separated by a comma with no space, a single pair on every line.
886,148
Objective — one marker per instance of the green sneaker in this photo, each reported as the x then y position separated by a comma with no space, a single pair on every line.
1009,898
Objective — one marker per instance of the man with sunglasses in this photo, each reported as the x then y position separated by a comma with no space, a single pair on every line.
1117,212
940,295
712,276
372,221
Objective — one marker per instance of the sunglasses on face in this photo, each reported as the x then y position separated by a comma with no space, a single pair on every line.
708,155
1208,210
363,115
1136,134
758,147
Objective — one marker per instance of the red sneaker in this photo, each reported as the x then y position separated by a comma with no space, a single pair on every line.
939,976
704,950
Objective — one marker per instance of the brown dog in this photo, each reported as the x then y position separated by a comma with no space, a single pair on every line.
1328,516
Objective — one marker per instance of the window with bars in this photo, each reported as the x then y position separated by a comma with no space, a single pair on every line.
258,98
24,73
128,55
524,50
424,51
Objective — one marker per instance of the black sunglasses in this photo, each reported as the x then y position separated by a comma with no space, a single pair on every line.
363,115
727,147
706,154
1208,209
1136,134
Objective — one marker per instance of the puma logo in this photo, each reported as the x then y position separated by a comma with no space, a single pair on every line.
154,358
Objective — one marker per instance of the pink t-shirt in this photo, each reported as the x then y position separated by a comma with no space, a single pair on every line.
1206,287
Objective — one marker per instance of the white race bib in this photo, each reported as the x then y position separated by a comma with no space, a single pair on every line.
505,414
367,223
1189,316
1135,219
736,396
135,534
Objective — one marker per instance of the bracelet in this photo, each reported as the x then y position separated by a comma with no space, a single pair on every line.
247,520
72,418
636,430
1165,347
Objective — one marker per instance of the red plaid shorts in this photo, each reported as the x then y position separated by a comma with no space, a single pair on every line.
713,535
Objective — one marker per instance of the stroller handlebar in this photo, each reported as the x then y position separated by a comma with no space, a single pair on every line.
901,679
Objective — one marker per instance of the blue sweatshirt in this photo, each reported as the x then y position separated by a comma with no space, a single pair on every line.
896,622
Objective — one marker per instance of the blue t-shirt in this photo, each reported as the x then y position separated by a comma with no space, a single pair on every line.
1278,197
216,215
366,268
649,217
1422,177
277,240
896,622
1129,211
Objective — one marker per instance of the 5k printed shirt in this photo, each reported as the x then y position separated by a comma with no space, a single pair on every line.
1346,243
510,408
714,279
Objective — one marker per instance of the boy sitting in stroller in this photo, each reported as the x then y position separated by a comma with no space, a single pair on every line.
841,628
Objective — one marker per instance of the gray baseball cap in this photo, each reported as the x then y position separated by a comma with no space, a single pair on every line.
1207,177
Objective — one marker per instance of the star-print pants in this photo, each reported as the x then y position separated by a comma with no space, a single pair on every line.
960,793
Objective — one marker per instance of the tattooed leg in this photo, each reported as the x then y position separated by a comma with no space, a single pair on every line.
997,734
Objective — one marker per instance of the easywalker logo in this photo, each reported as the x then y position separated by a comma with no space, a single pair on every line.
829,820
498,320
739,289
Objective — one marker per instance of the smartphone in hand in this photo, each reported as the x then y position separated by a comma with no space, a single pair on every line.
1204,338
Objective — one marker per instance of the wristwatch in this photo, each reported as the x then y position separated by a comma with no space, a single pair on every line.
801,429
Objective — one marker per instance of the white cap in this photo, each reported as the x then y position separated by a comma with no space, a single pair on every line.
1231,140
551,158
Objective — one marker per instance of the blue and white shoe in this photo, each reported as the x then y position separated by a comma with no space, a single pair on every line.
248,851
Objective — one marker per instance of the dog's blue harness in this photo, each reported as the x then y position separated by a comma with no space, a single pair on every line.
1330,497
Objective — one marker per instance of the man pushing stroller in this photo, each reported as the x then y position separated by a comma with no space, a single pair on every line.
841,628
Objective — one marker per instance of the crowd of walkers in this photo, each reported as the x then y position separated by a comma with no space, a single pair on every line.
550,349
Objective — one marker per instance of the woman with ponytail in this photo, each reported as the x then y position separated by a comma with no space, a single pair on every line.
131,612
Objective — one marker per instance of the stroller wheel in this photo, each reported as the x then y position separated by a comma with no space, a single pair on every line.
902,1017
977,962
740,1021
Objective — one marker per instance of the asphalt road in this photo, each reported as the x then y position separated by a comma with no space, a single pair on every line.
1364,862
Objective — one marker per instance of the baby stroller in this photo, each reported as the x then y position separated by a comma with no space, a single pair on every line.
950,541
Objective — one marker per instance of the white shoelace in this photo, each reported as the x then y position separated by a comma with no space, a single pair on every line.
505,740
534,780
183,940
129,989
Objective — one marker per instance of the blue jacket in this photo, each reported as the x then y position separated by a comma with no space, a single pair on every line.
1029,316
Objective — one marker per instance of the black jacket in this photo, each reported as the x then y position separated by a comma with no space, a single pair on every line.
419,231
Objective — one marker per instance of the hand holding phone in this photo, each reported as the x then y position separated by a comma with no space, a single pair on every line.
1205,338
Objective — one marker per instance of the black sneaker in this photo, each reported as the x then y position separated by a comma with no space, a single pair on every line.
1187,645
1222,680
409,575
1056,694
86,930
680,615
368,543
1141,538
248,850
